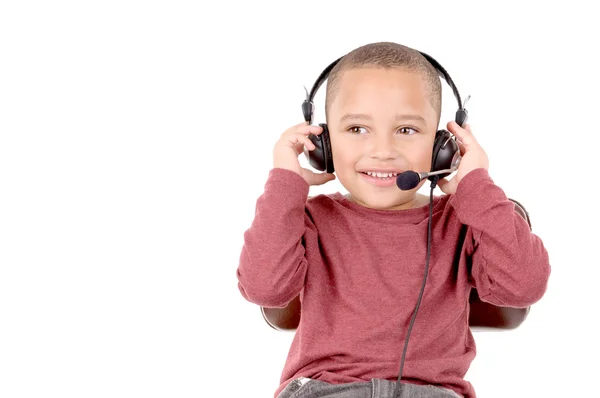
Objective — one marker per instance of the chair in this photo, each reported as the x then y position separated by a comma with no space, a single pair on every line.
482,317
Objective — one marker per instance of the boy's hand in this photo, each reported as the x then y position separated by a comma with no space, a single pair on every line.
473,156
290,145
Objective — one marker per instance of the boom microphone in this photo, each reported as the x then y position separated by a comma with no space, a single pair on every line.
410,179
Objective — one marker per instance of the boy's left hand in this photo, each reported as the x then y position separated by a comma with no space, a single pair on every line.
473,156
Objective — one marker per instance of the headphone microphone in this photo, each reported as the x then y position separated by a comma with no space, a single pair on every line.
408,180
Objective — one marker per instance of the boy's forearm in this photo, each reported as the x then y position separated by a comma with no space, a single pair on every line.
510,264
272,263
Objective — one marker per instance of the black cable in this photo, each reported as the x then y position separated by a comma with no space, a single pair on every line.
412,321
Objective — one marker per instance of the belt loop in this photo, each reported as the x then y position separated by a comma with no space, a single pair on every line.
375,388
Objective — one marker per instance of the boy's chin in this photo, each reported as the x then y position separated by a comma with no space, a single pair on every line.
380,198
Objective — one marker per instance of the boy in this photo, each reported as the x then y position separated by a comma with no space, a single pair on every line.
357,260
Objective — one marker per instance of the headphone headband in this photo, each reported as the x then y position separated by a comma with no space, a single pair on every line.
308,106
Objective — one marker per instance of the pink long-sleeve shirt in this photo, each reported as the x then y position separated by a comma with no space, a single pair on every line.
359,272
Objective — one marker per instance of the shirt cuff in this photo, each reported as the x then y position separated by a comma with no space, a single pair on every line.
288,181
475,194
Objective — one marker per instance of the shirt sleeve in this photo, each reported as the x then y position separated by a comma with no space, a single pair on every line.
272,267
509,264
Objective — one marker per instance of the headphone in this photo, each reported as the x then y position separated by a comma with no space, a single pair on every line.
446,153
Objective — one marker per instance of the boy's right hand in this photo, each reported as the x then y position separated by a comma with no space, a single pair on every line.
290,145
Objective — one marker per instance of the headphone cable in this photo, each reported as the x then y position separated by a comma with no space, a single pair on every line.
433,185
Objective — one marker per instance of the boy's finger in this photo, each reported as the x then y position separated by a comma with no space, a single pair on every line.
296,141
299,147
464,134
461,146
305,129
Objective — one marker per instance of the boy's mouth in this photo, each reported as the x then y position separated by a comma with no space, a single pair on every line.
379,174
379,178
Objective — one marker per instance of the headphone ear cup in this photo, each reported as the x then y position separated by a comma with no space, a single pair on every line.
321,158
444,151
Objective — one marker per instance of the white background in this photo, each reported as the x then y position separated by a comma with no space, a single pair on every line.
137,136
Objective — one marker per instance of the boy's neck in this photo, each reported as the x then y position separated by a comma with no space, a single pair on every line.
419,200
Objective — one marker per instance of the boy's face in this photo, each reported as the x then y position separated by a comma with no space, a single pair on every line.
381,120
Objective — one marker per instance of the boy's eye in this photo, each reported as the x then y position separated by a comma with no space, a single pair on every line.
355,129
402,130
406,130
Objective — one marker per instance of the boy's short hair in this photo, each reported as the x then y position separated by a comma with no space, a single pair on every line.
386,55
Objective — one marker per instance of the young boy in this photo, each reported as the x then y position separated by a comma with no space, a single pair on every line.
357,261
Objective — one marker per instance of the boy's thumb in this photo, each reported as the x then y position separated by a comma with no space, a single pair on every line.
322,178
447,187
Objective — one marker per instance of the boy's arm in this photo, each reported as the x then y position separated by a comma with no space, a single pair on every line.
272,264
510,265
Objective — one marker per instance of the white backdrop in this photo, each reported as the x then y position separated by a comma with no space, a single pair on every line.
137,136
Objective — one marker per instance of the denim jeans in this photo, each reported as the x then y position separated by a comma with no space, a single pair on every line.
303,387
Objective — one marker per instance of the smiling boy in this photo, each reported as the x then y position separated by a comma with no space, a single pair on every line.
357,260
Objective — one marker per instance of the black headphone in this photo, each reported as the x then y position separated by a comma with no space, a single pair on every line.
445,150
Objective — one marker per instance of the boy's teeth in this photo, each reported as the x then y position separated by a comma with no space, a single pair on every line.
381,175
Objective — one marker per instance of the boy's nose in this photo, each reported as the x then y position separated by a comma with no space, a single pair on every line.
383,148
